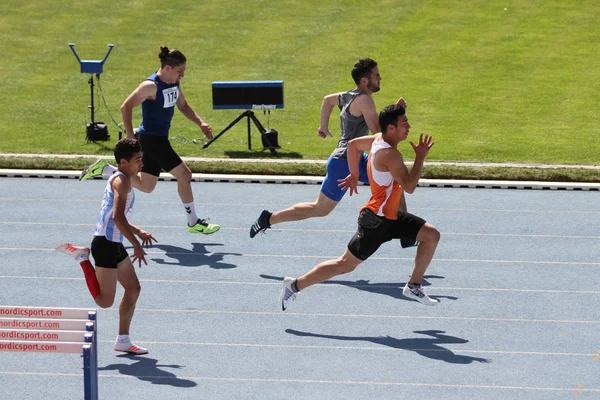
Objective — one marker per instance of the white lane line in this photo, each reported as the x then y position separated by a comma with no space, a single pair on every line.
367,316
326,257
39,374
331,284
310,381
340,206
453,260
349,231
366,348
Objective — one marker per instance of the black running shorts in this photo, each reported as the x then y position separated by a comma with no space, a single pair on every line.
158,154
374,230
107,254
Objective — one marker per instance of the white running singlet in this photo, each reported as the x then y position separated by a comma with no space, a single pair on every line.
105,226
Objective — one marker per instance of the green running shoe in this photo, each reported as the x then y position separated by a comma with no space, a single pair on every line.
203,227
93,170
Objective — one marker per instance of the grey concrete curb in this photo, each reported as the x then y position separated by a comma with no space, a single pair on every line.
317,180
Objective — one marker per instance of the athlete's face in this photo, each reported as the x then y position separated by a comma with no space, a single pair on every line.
175,74
374,80
133,165
402,128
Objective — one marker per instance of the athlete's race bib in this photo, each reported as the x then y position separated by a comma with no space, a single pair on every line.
170,95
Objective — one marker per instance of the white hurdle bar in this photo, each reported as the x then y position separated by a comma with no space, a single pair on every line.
54,330
39,335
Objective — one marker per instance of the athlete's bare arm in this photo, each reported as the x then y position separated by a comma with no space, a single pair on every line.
355,148
393,161
146,90
187,110
329,103
121,187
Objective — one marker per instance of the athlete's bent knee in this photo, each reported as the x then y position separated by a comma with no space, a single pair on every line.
345,266
346,269
432,235
146,186
104,303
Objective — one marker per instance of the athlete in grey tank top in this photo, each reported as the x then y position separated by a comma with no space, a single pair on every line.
365,75
351,126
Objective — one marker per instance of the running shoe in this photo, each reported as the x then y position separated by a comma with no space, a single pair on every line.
287,294
418,294
130,348
93,170
77,252
203,227
261,224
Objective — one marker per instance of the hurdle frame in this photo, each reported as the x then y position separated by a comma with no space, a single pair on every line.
44,333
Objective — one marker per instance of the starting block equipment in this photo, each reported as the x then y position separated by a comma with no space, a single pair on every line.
54,330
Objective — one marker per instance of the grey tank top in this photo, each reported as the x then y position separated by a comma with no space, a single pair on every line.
351,126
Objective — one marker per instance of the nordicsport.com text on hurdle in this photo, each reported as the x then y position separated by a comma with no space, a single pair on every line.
29,312
25,324
28,347
28,335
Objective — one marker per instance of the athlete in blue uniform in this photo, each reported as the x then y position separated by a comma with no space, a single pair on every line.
111,258
158,95
358,116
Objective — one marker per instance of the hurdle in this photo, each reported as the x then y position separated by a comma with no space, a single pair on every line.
54,330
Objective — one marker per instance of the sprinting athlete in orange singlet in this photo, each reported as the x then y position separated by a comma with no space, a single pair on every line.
379,220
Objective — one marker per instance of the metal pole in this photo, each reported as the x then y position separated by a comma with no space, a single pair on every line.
249,139
91,82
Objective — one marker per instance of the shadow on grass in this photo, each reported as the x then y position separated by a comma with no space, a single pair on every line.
263,154
107,147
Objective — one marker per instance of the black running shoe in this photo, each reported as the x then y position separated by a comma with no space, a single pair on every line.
261,224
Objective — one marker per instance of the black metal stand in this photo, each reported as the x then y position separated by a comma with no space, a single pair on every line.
95,130
91,82
250,117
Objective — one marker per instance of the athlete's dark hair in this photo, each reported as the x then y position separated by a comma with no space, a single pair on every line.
126,148
171,57
389,116
362,69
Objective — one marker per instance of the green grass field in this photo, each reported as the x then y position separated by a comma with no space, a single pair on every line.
494,81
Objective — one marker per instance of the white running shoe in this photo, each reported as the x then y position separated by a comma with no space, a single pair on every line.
287,293
79,253
418,294
130,348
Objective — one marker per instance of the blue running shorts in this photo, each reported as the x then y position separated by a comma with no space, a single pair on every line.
337,168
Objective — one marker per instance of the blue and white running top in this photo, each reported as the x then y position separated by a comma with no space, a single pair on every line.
105,226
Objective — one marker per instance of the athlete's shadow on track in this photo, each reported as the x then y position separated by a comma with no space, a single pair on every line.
198,256
389,289
148,369
429,348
